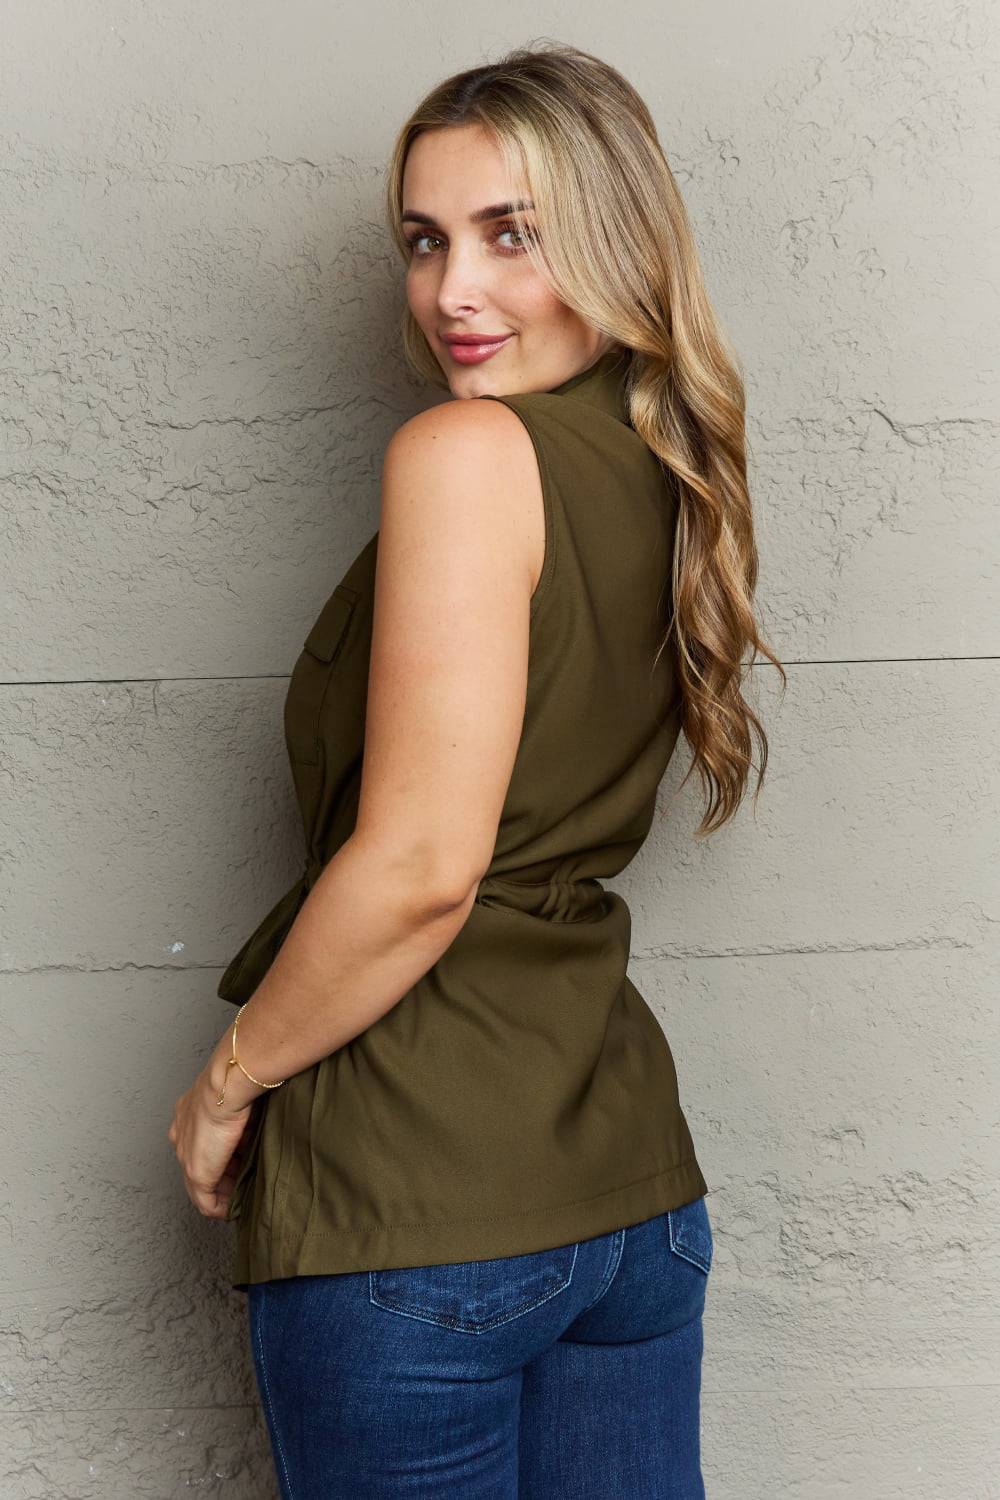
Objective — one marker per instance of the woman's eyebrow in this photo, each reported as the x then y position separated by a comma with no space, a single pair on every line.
481,216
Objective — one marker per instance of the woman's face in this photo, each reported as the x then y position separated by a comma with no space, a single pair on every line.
470,279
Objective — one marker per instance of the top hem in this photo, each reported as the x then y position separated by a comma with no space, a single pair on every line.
381,1247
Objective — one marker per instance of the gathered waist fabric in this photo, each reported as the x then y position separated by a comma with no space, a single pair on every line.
520,1095
580,899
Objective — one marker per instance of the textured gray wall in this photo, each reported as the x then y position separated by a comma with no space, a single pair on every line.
199,372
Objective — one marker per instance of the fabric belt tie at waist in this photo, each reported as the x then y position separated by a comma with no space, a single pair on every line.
254,959
576,900
562,901
581,900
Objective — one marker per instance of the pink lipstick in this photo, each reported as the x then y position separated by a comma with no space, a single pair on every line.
473,348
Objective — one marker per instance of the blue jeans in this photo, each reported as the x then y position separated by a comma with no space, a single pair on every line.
566,1374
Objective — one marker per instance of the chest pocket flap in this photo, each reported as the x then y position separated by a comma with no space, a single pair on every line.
329,630
312,674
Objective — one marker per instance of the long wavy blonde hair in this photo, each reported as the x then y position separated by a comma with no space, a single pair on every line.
614,242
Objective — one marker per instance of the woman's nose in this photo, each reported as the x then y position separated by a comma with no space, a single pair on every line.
461,289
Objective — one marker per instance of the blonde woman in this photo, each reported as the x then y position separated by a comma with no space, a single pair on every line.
470,1220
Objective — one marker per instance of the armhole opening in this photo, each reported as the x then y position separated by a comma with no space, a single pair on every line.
548,506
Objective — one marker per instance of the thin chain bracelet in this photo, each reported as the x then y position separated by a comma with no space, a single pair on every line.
235,1059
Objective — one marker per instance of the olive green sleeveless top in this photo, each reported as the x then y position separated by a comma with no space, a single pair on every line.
522,1094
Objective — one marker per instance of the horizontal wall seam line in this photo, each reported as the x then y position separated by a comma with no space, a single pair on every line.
138,681
114,969
816,1385
89,1411
876,661
638,956
846,661
716,1390
912,945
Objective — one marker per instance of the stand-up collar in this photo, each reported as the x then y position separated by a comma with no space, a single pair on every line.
601,385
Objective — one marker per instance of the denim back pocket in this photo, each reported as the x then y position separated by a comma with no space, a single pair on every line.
691,1233
476,1295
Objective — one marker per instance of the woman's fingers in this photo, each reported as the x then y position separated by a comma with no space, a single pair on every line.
208,1203
210,1197
208,1149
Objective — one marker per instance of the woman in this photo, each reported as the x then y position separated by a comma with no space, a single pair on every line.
470,1219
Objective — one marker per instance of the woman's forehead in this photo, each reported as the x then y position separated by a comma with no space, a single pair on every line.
460,160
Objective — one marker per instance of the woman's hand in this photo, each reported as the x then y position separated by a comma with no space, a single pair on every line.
209,1140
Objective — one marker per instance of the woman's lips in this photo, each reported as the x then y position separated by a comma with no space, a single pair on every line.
475,350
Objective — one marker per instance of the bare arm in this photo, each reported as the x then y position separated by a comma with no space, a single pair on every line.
460,549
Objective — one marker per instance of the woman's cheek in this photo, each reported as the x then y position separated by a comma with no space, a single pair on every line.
418,294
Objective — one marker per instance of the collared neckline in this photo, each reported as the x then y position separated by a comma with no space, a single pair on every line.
601,385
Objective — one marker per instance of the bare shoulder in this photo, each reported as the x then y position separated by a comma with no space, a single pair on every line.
468,466
457,430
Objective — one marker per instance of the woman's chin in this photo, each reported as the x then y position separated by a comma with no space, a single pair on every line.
465,385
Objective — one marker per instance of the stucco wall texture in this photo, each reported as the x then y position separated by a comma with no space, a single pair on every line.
199,372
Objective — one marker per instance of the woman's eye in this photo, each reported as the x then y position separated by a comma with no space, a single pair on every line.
516,241
518,237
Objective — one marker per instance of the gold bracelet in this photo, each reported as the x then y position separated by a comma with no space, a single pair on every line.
235,1059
